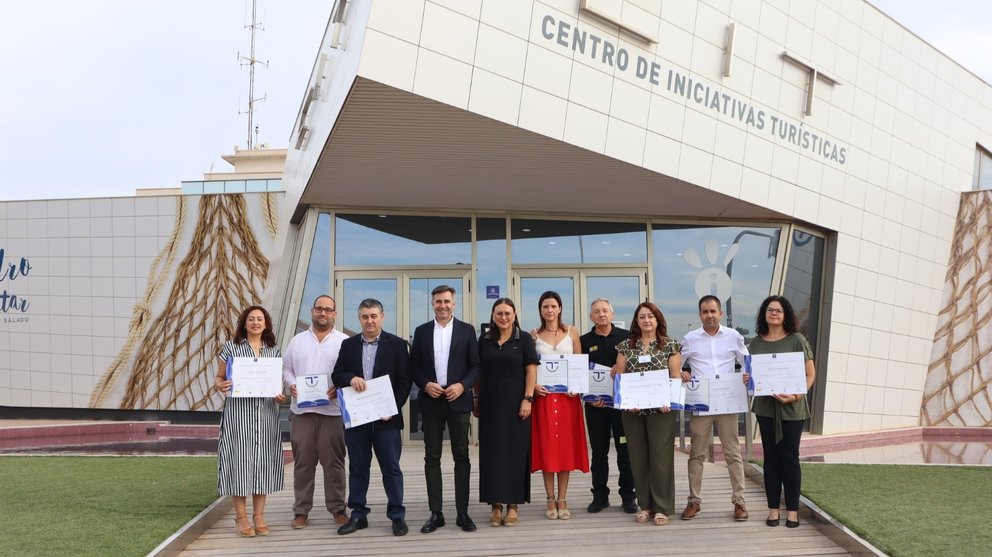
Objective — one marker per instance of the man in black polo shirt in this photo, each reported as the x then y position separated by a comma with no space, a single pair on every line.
603,422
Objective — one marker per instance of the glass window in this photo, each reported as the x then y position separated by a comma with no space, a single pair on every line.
402,240
213,187
803,278
558,241
732,263
254,186
983,170
192,188
234,186
318,279
490,243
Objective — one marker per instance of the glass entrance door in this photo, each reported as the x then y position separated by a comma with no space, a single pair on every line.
624,288
406,301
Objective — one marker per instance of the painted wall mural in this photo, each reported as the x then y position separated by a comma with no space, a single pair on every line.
958,389
216,263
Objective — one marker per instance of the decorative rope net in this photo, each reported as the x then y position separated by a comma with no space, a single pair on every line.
224,272
957,391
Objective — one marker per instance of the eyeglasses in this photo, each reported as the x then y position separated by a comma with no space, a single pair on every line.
774,310
319,309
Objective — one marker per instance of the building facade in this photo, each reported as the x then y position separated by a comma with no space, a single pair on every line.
634,149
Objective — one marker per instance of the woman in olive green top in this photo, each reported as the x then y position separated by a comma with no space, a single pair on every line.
781,417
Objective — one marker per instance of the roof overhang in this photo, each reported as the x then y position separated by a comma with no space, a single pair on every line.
391,149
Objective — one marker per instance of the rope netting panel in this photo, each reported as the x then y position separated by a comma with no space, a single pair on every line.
957,391
224,271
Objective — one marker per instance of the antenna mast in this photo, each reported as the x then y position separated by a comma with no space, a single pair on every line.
250,61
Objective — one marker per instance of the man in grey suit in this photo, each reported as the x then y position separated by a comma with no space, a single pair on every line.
444,362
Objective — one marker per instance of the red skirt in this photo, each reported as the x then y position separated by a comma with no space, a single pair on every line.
558,435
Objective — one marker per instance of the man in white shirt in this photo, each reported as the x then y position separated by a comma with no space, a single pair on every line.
712,351
316,432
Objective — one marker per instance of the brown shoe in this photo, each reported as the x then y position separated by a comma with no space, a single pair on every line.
740,512
691,510
299,522
340,518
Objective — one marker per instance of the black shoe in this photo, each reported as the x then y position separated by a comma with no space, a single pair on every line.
465,521
772,521
433,523
598,505
791,524
353,525
629,505
399,527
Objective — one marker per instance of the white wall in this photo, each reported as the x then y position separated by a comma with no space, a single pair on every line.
89,264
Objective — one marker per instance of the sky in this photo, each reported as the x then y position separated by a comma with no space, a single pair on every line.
102,97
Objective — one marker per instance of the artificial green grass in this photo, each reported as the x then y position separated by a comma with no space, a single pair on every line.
53,505
908,510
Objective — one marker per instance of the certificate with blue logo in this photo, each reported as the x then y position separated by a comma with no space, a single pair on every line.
600,385
311,391
255,377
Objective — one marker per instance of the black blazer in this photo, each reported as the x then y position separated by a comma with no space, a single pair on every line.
463,363
391,358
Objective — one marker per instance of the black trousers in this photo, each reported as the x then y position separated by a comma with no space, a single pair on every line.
605,425
782,462
458,426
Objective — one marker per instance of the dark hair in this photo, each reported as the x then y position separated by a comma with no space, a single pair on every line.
442,288
371,303
540,302
709,298
788,316
241,330
635,329
493,333
328,296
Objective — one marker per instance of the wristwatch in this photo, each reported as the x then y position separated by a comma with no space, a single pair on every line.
528,398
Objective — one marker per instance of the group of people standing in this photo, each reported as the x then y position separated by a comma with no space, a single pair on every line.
523,428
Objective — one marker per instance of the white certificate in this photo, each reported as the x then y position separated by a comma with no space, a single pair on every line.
552,373
697,395
255,377
374,403
600,385
578,373
311,391
728,395
677,393
642,390
782,374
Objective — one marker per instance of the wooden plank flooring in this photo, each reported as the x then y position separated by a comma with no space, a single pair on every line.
608,532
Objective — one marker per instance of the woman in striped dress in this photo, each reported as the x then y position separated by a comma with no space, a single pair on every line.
249,448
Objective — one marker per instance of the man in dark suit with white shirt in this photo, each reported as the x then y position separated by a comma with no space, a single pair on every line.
444,362
373,354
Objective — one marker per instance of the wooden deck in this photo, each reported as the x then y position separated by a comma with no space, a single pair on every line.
608,532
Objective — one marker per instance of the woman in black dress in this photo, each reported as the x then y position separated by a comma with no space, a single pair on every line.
505,393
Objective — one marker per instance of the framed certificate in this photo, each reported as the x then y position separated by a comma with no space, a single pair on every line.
697,395
727,395
311,391
374,403
642,390
552,373
783,373
600,385
255,377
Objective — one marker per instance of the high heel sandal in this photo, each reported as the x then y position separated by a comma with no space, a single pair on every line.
248,532
496,518
261,528
563,512
511,520
552,513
